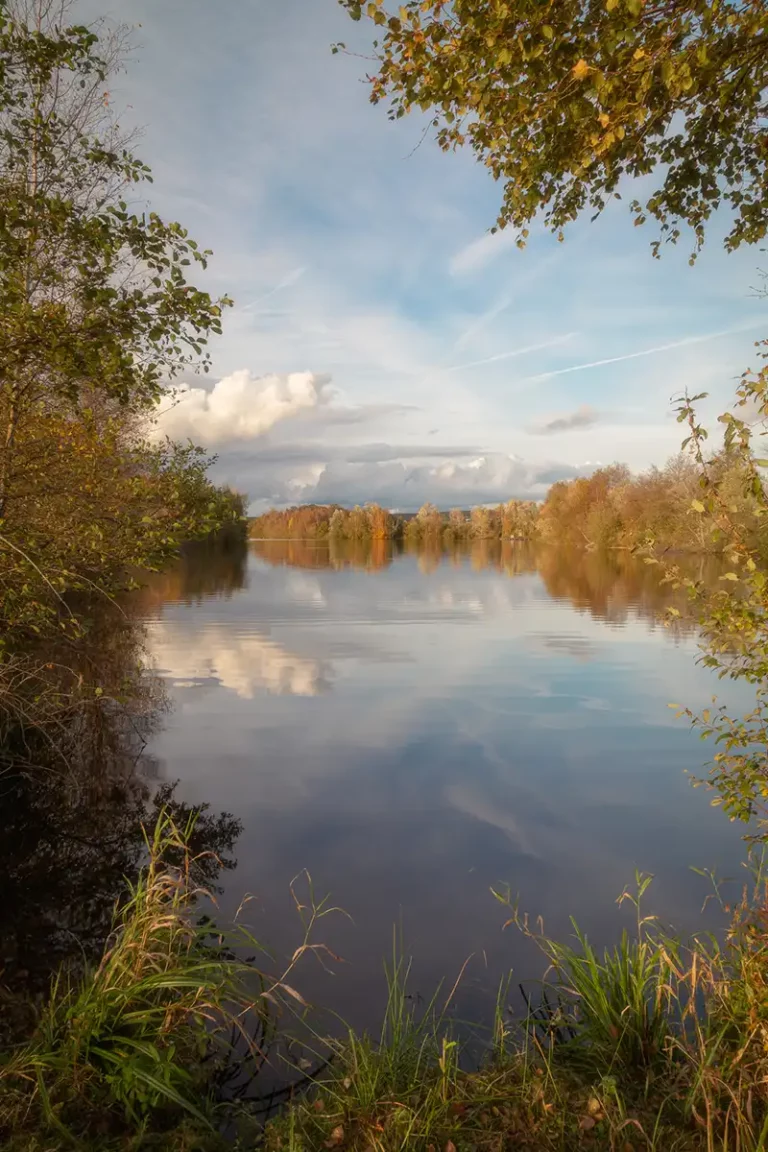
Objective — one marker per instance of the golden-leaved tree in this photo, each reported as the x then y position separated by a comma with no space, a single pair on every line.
97,319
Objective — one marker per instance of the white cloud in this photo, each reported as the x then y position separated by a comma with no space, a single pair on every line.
487,479
476,255
240,406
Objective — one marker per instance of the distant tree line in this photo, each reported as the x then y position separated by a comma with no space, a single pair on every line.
323,521
514,520
609,509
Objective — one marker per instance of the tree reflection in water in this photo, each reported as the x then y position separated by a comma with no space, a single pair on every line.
610,584
78,788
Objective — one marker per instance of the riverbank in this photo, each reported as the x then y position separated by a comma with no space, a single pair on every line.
655,1044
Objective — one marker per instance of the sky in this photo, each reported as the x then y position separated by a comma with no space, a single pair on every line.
383,344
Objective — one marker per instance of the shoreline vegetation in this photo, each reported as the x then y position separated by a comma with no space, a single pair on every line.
129,1020
657,1043
609,509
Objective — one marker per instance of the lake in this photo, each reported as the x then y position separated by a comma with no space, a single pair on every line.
415,728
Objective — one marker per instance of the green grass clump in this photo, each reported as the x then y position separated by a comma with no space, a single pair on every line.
127,1055
651,1045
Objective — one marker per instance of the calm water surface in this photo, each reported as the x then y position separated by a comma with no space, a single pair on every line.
413,729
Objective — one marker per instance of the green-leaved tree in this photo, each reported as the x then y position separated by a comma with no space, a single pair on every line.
560,100
97,319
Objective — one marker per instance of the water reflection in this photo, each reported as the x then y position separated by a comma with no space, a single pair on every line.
77,785
242,663
610,585
415,726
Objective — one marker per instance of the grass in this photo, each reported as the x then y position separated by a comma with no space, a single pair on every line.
651,1045
134,1053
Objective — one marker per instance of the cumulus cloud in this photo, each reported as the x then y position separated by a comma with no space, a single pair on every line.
486,479
396,475
583,417
241,407
476,255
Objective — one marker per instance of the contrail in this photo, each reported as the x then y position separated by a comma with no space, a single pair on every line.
287,282
515,352
648,351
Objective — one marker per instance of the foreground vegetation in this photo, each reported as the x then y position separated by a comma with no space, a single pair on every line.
653,1044
133,1052
650,1045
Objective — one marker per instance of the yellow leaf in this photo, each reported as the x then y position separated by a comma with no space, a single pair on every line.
604,119
580,70
638,53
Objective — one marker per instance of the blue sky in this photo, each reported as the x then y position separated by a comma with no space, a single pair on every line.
385,345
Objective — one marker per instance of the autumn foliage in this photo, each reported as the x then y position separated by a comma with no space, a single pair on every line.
657,508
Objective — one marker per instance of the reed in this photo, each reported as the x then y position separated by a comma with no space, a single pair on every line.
655,1044
135,1048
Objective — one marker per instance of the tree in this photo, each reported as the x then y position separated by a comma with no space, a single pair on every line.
518,519
429,520
481,522
92,509
734,617
457,527
379,522
560,101
95,295
337,524
357,523
97,320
